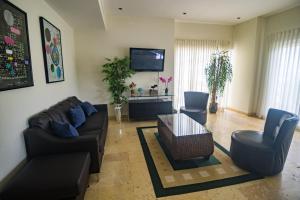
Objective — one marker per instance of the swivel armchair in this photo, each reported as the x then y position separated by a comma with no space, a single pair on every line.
195,106
265,153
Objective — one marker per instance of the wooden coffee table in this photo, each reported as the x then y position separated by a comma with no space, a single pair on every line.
184,137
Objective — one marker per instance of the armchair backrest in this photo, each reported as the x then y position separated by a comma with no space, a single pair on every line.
274,121
285,134
197,100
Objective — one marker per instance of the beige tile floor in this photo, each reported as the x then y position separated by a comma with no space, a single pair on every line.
124,174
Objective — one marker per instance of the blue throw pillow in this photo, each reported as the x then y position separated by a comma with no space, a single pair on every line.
88,108
64,130
77,116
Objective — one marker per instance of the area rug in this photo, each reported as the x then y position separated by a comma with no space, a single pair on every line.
170,177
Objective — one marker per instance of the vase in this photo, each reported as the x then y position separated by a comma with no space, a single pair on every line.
132,92
118,113
166,91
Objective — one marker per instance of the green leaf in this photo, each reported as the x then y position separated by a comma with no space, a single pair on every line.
218,72
116,71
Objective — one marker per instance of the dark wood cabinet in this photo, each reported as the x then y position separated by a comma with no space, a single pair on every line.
148,109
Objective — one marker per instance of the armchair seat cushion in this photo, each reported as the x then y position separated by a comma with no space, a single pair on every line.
41,178
198,115
192,110
252,139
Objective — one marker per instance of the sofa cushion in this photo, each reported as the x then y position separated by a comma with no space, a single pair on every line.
77,116
74,101
94,122
64,130
40,120
88,108
56,114
52,177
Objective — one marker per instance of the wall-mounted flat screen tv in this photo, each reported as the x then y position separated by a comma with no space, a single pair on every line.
142,59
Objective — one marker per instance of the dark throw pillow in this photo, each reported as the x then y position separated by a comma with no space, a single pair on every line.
77,116
88,108
64,130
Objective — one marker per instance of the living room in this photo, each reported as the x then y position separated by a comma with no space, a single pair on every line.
123,157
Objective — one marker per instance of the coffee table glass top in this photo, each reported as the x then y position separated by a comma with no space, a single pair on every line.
182,125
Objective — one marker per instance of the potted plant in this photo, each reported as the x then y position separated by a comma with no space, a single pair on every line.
116,71
218,72
166,81
153,91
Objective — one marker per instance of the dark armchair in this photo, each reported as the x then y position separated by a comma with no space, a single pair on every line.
265,153
195,106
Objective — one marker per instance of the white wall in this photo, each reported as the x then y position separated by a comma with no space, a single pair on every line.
249,55
283,21
203,31
17,105
244,65
93,46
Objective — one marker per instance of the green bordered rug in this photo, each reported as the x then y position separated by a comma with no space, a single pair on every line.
170,177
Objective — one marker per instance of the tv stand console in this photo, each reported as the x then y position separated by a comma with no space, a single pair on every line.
148,107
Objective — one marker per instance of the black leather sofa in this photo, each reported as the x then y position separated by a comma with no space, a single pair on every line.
40,139
59,168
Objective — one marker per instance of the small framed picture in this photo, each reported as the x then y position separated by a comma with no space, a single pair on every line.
52,51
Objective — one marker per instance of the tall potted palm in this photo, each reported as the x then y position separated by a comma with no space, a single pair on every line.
218,72
116,71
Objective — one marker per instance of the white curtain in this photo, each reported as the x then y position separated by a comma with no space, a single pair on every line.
281,84
191,58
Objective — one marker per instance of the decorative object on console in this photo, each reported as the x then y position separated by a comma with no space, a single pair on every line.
140,91
15,63
166,82
116,71
218,72
153,91
52,51
132,88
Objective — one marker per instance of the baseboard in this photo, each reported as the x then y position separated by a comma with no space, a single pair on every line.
242,112
12,173
237,111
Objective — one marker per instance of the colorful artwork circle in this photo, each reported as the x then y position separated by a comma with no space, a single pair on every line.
58,72
52,68
9,18
55,55
48,35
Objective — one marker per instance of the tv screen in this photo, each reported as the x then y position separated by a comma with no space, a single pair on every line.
142,59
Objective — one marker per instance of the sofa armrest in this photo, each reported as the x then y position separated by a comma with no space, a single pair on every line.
101,107
40,143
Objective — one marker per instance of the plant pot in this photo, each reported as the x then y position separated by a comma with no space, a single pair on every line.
213,107
118,112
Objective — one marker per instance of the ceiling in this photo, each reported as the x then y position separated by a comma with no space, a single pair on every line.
205,11
91,13
80,13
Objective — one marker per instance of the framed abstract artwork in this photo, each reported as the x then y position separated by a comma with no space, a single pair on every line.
15,59
52,51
